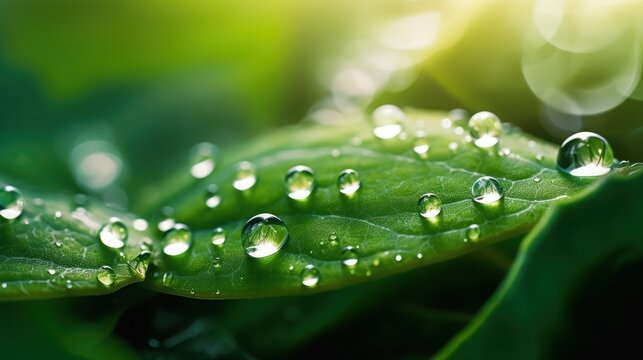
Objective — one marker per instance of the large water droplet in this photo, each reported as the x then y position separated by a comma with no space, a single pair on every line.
114,233
349,256
485,127
245,177
263,235
429,205
218,237
585,154
300,182
310,276
11,203
203,159
178,240
486,190
106,275
388,121
473,232
213,199
348,182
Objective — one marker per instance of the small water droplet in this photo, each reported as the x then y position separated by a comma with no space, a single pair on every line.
348,182
58,214
263,235
114,233
218,292
106,275
245,176
585,154
349,256
218,237
453,146
332,238
139,225
51,272
473,232
69,284
486,190
192,292
300,182
4,285
217,262
166,224
310,276
140,262
485,127
291,268
178,240
537,179
458,130
167,278
446,123
203,159
429,205
398,258
11,203
212,197
388,121
419,255
58,244
421,147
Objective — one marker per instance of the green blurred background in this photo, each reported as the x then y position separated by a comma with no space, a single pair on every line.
132,85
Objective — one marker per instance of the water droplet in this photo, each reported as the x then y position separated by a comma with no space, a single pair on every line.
585,154
421,147
114,233
310,276
203,159
245,177
388,121
213,199
4,285
166,224
192,292
485,127
218,236
504,152
349,256
537,179
11,203
348,182
69,284
398,258
540,157
332,238
177,241
446,123
300,182
58,214
335,153
106,275
263,235
486,190
217,262
140,262
453,146
473,232
419,255
429,205
139,225
291,268
167,278
51,272
458,130
58,244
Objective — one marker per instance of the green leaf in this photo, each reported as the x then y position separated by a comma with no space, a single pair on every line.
381,221
53,250
601,229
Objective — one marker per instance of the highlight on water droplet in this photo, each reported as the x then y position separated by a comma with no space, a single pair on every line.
388,121
114,233
11,203
178,240
300,182
106,275
203,159
263,235
245,176
429,205
348,182
349,256
166,224
212,197
485,128
310,276
421,147
486,190
473,232
217,262
218,237
139,224
585,154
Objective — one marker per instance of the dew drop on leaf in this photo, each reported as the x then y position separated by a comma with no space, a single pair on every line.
114,233
473,232
106,275
585,154
388,121
166,224
11,203
218,237
486,190
300,182
310,276
349,256
178,240
398,258
245,176
421,147
217,262
212,197
140,262
485,127
263,235
348,182
203,159
167,278
139,224
429,205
